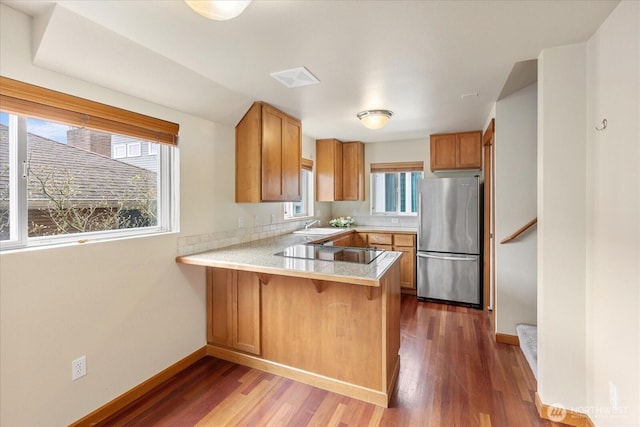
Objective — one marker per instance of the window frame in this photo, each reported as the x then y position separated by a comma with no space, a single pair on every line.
309,192
117,155
21,101
131,145
392,168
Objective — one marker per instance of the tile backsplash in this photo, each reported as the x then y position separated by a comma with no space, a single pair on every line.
189,245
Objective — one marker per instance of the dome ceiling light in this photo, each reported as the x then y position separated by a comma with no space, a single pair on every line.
219,10
375,119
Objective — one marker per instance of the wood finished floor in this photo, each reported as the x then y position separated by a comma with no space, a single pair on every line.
452,373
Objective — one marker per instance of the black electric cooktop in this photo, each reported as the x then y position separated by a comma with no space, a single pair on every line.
331,253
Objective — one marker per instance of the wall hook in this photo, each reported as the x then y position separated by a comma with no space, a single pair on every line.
603,126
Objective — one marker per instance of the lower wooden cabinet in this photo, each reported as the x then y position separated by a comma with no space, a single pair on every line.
405,243
233,309
343,241
407,266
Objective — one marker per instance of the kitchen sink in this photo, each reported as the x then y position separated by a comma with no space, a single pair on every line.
318,231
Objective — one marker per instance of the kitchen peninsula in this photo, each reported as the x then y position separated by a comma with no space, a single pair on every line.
331,324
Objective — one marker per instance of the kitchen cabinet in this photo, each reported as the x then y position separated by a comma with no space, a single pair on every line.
360,240
343,241
339,170
406,243
268,156
233,309
453,151
328,170
353,171
380,241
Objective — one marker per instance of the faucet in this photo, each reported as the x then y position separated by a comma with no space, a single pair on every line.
310,223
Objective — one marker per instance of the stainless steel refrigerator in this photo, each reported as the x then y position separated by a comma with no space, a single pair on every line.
448,255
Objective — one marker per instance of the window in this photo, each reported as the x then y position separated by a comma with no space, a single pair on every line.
119,151
153,149
394,188
133,149
62,182
305,206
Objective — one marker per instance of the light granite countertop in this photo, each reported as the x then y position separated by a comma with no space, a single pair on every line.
258,256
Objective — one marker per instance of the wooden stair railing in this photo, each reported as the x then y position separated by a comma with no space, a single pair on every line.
518,233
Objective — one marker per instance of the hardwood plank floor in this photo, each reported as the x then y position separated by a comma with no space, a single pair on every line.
452,373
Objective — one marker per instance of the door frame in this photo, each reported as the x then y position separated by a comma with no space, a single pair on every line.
489,291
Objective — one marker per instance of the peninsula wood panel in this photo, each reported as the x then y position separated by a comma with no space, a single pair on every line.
391,314
337,332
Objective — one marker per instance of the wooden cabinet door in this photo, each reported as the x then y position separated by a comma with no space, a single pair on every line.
443,151
291,159
343,241
328,170
246,312
220,284
407,266
469,153
360,240
273,123
233,309
353,171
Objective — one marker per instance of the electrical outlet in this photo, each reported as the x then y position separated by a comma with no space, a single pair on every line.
613,395
79,368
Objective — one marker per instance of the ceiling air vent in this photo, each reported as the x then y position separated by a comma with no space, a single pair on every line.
295,77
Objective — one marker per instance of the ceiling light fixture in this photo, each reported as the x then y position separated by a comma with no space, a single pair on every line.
219,10
374,119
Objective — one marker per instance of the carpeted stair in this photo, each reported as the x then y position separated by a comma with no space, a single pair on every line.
528,336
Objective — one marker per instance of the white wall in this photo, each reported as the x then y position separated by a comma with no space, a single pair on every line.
562,225
589,232
124,304
516,195
613,217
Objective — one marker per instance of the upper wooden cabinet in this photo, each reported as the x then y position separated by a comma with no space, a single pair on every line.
339,170
353,171
328,170
268,156
452,151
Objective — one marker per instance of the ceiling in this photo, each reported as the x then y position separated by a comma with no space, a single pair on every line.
416,58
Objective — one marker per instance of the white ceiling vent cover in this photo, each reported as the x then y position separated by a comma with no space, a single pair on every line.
295,77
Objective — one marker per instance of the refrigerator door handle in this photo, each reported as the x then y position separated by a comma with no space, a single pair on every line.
447,257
